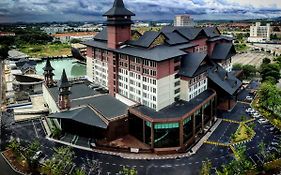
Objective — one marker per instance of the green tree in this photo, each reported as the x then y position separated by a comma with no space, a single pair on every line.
30,152
206,167
62,158
270,97
249,71
15,146
4,49
270,70
262,148
237,66
128,171
79,171
266,61
75,41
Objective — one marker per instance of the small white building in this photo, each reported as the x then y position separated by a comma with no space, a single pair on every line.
259,34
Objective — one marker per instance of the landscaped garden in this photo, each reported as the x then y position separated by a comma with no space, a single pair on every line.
243,133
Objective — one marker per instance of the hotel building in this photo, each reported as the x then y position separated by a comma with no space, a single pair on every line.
171,82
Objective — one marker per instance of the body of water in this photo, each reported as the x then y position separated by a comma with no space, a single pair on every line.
72,68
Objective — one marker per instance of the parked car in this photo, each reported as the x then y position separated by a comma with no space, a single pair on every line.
37,155
272,128
274,143
262,121
249,98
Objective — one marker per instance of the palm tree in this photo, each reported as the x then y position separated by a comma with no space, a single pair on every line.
79,171
14,145
206,167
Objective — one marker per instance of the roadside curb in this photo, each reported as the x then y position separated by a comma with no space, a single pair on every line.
8,162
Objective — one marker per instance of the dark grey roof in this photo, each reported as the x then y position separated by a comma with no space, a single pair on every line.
177,109
119,9
211,31
174,38
83,115
146,39
158,53
24,61
223,51
80,90
227,81
27,66
106,105
216,38
64,83
102,35
190,64
191,32
26,79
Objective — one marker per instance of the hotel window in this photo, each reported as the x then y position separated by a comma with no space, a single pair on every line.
176,68
154,90
138,69
177,83
154,106
138,60
145,95
177,90
154,82
177,76
154,98
144,87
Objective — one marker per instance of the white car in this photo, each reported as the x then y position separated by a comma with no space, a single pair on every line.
271,129
262,121
249,98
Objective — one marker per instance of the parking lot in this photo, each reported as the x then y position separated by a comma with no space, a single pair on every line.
251,57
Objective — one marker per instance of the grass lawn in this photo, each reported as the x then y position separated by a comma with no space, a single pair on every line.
242,133
241,47
46,50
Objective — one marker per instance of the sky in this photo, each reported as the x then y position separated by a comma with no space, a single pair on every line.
91,10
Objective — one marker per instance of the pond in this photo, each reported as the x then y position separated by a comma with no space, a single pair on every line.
72,67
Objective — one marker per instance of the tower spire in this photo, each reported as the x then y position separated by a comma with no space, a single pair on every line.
48,74
118,24
64,92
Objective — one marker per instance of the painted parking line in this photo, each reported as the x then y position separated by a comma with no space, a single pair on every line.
259,158
36,133
253,160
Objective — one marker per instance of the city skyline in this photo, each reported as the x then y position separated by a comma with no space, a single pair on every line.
87,10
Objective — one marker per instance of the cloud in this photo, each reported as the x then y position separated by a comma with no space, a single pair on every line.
80,10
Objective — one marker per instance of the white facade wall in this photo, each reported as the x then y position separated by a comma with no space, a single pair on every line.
153,93
49,100
100,72
190,91
89,69
259,33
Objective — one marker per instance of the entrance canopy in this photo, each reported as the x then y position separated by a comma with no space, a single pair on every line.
84,115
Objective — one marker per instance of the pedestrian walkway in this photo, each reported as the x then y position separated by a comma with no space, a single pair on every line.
5,168
206,137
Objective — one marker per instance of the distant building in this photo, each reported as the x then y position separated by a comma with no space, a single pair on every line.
141,24
183,20
259,33
7,34
67,37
